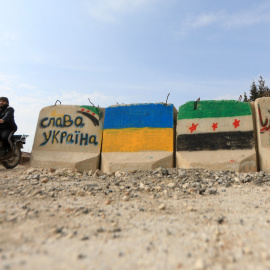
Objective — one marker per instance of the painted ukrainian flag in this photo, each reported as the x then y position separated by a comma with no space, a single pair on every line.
214,125
138,127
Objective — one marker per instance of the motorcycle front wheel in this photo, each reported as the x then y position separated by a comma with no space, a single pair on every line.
14,160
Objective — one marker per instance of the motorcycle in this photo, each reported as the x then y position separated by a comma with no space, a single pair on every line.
11,159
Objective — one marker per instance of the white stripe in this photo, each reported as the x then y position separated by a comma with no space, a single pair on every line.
205,125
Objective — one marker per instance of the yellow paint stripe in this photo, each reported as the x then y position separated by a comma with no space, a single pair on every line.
137,139
54,113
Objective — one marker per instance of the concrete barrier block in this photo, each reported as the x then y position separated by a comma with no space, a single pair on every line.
138,136
128,161
68,136
262,110
217,135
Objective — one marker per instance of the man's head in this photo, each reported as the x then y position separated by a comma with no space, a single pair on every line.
4,101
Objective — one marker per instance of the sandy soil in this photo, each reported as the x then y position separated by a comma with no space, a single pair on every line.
71,221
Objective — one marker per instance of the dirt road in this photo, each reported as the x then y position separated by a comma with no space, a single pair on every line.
166,219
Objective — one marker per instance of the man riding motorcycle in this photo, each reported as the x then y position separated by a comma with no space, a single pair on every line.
7,124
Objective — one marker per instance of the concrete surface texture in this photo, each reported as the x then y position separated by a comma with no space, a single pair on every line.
68,136
217,135
138,136
129,161
262,106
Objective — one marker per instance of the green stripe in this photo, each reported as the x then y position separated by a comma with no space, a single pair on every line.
213,108
92,109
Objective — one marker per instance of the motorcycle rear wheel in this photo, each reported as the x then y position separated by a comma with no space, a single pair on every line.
14,160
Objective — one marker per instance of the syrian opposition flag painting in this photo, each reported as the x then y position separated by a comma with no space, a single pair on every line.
91,112
214,125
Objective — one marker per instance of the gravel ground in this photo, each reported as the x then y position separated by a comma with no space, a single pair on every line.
163,219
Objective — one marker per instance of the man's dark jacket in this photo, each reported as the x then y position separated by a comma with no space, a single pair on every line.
7,114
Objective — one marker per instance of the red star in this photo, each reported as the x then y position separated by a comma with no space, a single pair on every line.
82,110
93,113
193,127
214,126
236,123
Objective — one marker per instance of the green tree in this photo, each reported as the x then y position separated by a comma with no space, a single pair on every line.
257,91
261,87
253,92
245,97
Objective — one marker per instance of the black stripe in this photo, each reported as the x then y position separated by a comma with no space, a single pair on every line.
215,141
91,117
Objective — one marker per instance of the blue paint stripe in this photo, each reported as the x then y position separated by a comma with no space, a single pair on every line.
139,116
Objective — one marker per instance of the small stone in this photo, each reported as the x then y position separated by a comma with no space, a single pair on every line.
34,182
100,230
44,180
221,220
59,172
147,189
142,186
236,179
247,250
185,186
192,190
36,176
70,235
81,256
181,174
119,174
52,170
164,171
30,171
108,201
162,207
97,173
80,193
258,182
201,191
57,230
126,198
171,185
85,211
117,229
212,191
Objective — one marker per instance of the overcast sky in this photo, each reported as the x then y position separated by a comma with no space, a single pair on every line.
128,51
